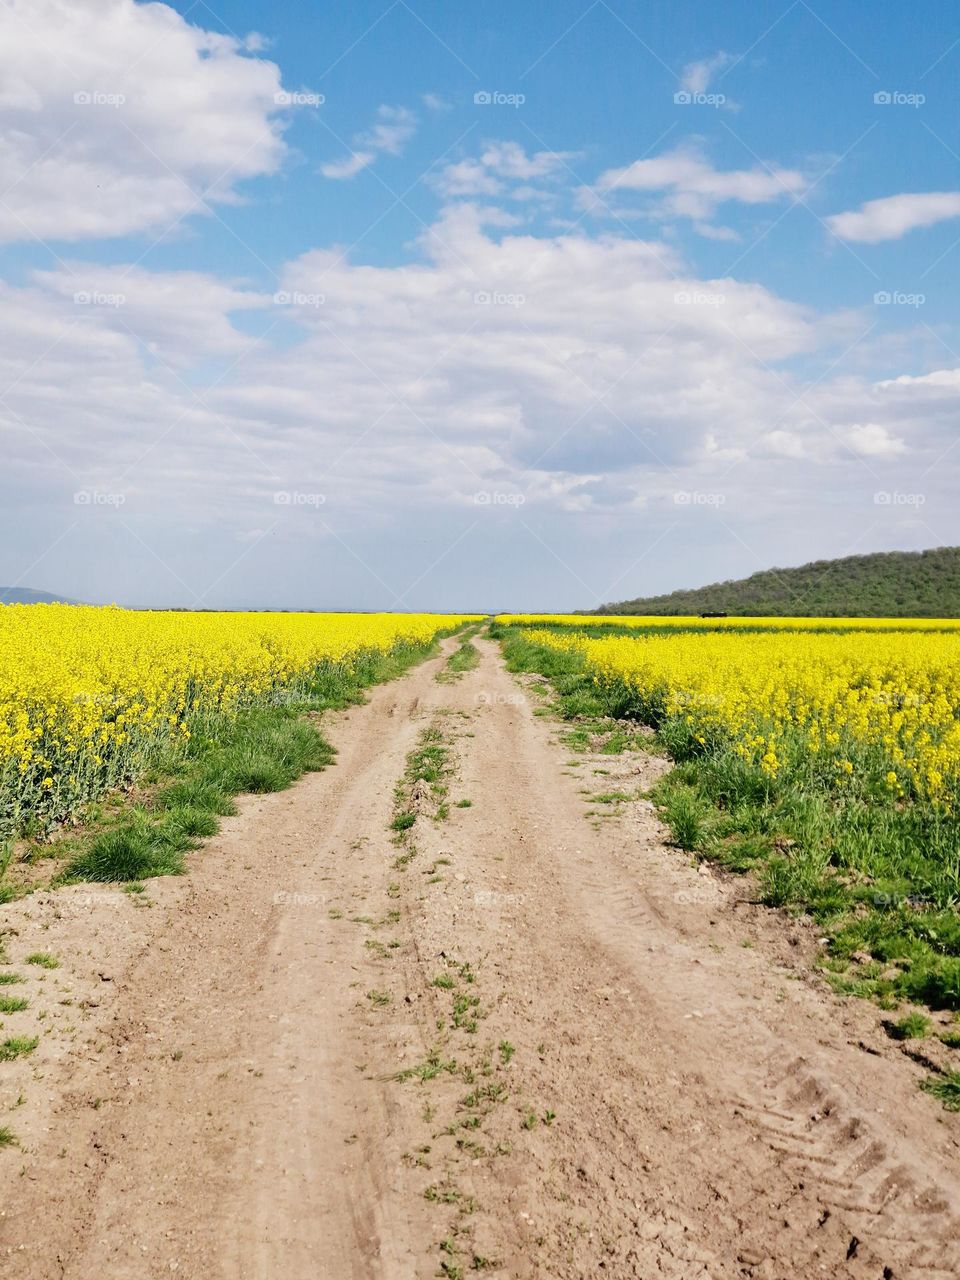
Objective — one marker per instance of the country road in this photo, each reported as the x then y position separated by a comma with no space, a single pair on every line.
541,1045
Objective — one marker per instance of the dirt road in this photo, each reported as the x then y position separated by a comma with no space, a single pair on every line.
528,1040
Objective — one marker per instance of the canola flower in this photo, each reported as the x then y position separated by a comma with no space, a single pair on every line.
879,706
87,694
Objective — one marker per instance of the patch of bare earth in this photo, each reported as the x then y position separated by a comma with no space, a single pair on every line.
521,1040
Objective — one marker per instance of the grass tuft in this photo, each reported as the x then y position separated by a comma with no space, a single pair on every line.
17,1047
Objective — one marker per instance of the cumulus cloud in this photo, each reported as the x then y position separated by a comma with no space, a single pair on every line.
504,168
874,440
389,134
120,117
893,216
688,186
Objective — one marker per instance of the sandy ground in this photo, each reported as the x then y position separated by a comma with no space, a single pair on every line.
646,1079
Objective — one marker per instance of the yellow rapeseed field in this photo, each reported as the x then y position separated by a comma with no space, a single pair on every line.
86,693
881,702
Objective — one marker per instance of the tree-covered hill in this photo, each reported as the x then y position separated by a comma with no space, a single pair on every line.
906,584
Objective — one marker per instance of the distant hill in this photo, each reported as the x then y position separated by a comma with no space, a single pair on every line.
892,584
22,595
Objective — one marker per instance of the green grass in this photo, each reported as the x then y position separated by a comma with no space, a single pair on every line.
264,748
463,659
7,1137
17,1047
428,764
13,1004
877,877
8,979
913,1027
945,1087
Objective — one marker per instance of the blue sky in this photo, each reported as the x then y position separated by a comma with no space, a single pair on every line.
387,305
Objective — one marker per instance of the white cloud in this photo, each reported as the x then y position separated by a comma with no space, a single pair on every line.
503,168
874,441
697,77
389,134
893,216
596,376
349,167
121,117
434,102
688,186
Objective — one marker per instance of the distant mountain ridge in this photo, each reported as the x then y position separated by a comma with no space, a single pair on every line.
891,584
23,595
